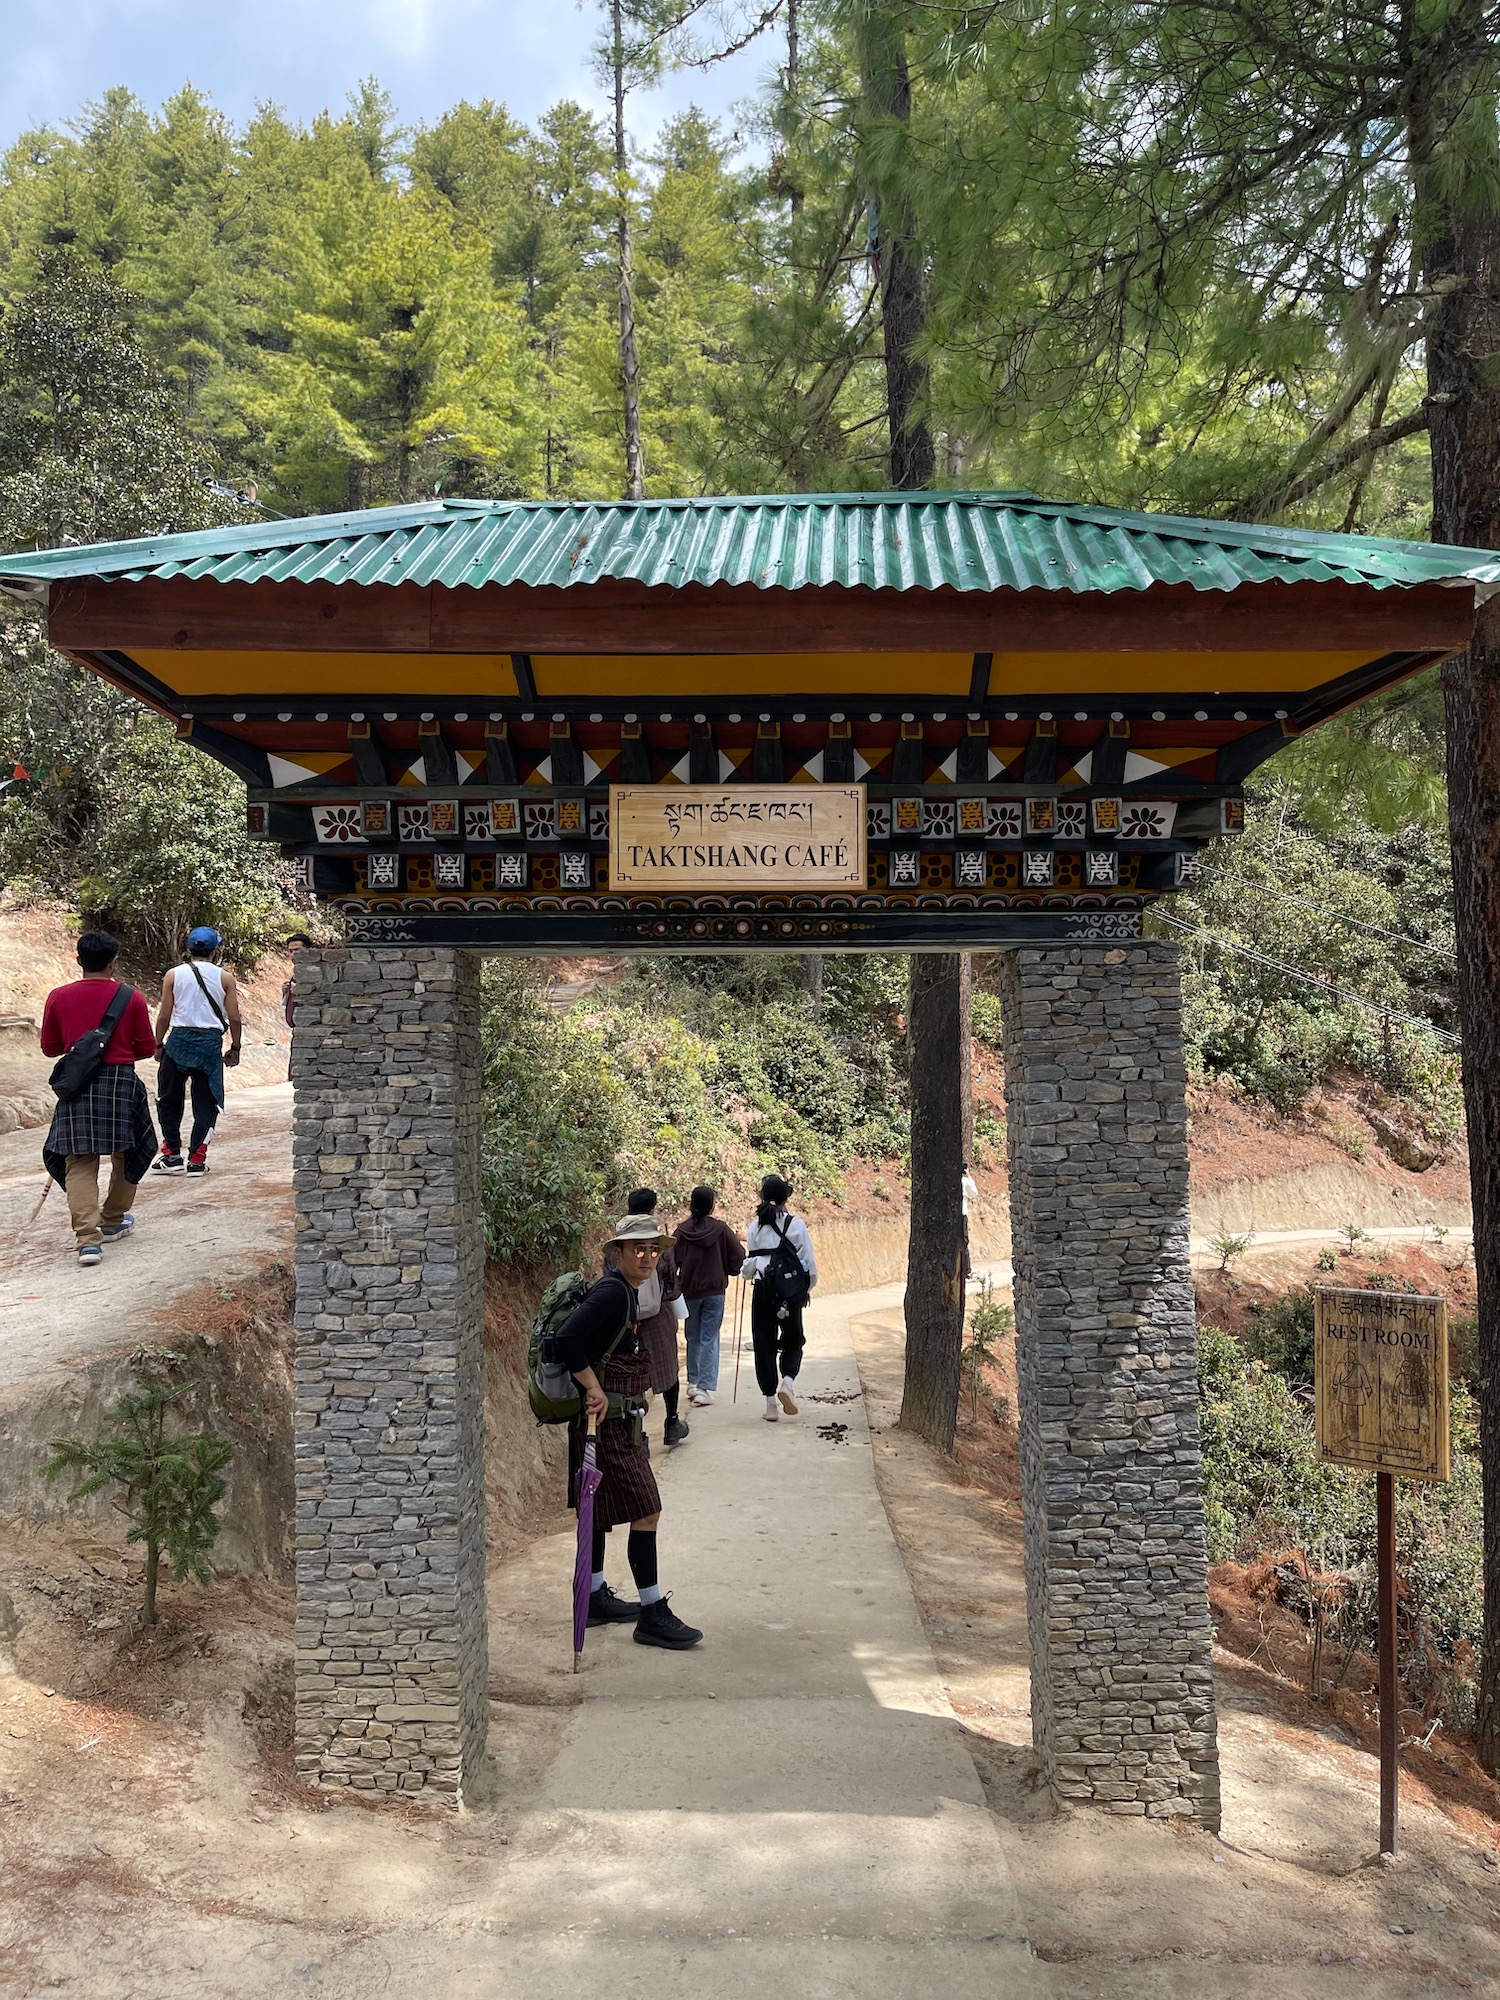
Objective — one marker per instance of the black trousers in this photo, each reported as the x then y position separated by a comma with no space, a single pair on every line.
778,1343
171,1095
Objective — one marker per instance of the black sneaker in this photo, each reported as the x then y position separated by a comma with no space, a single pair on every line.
168,1163
197,1162
607,1609
675,1431
659,1625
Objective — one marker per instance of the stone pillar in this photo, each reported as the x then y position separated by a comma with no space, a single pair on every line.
1116,1568
391,1650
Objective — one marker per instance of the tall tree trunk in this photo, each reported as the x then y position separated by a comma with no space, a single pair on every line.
937,1031
885,88
635,462
1458,237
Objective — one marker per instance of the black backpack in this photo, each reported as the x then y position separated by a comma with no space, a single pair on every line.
786,1271
74,1072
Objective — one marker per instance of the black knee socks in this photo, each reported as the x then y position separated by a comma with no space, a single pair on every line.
641,1551
601,1539
669,1400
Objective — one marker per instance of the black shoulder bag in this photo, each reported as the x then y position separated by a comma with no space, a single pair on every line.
73,1073
218,1011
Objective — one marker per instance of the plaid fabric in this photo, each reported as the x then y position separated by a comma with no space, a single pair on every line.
113,1115
658,1331
627,1488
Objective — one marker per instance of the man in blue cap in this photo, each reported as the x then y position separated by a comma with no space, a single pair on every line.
200,1004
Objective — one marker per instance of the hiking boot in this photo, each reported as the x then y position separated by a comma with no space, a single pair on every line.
113,1231
168,1162
607,1609
198,1160
659,1625
90,1253
784,1397
675,1431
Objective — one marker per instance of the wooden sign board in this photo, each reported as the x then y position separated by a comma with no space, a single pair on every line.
1380,1365
703,839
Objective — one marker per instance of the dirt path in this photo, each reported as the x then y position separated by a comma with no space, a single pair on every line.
795,1807
188,1232
790,1808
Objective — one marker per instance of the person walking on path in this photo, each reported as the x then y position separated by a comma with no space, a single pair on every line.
708,1255
780,1260
661,1313
600,1344
200,1004
110,1117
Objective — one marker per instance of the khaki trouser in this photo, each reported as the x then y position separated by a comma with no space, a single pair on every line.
89,1222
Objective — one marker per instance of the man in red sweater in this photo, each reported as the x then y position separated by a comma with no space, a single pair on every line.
111,1117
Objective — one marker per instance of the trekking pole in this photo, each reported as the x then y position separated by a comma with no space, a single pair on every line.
739,1328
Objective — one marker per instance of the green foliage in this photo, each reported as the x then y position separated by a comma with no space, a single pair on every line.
169,1482
142,832
1280,1334
1355,908
690,1070
1262,1481
1265,1492
989,1323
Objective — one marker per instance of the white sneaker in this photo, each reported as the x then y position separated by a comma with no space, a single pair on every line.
784,1393
773,1414
705,1397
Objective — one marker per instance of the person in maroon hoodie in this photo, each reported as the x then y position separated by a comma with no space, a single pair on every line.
708,1255
110,1118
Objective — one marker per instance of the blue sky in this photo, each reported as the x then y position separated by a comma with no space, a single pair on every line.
307,54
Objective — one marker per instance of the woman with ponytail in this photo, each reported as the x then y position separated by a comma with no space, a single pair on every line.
781,1262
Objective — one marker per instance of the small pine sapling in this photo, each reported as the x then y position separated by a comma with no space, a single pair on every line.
989,1322
169,1483
1352,1234
1226,1248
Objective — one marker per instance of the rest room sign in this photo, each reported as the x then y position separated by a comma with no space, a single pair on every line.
1380,1364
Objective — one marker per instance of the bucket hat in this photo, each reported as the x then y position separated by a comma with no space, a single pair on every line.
638,1229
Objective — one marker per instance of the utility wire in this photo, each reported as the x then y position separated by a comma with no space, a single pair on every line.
1310,979
1322,910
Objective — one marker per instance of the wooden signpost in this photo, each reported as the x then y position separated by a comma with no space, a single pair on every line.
1380,1365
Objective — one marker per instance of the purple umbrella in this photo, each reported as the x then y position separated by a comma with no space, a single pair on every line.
589,1476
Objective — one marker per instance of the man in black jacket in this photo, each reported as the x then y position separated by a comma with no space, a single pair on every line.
600,1344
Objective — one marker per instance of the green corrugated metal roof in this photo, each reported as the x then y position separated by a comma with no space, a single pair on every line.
966,541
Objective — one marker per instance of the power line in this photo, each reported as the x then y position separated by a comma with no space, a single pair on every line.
1311,979
1322,910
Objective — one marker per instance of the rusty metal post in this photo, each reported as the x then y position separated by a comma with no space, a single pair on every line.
1390,1693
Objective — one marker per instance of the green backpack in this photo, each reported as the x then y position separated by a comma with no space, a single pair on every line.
554,1396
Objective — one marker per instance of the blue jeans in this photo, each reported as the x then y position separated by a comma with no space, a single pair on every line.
704,1318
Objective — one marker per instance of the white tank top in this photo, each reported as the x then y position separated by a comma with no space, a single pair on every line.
190,1008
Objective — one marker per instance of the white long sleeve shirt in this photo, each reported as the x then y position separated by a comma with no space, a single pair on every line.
761,1238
